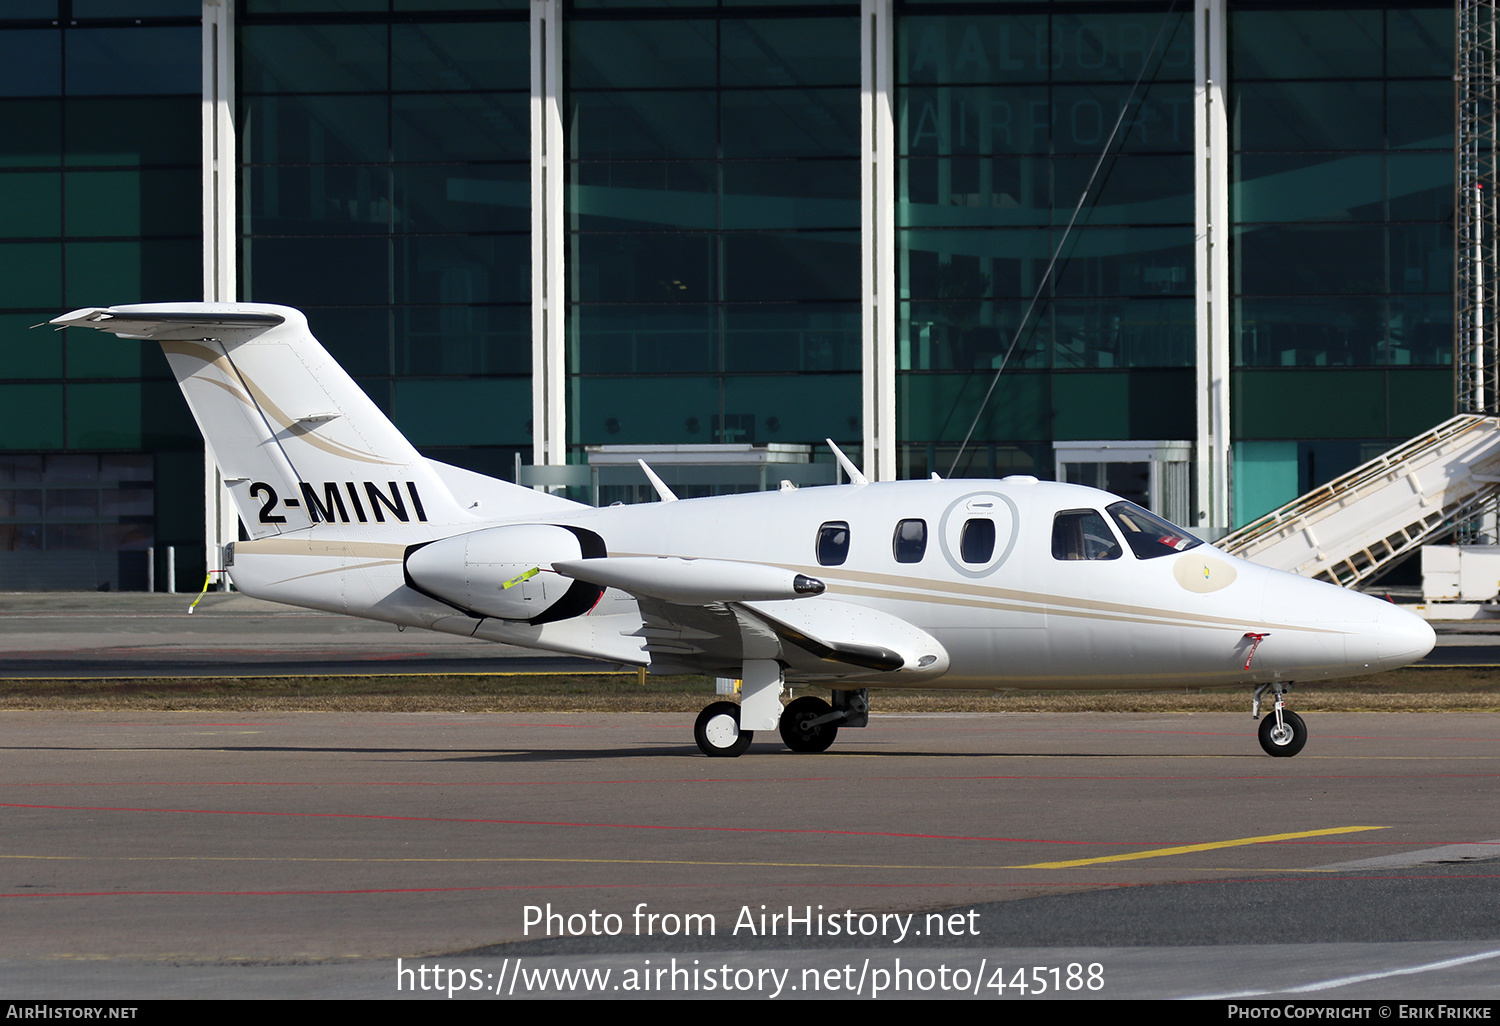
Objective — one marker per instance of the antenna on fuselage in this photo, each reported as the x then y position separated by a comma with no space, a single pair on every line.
662,491
855,477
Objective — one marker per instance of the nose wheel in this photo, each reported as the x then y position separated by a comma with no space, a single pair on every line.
1282,733
1285,738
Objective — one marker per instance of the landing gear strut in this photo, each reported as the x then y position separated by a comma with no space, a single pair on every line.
1282,733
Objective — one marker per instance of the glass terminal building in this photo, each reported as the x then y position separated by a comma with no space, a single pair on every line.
534,226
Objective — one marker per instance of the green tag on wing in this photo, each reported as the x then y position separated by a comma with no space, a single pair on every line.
528,575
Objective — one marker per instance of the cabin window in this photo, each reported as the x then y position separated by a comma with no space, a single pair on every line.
977,543
1147,534
833,543
1083,534
910,543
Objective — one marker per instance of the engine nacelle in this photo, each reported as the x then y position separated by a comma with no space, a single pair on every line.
506,572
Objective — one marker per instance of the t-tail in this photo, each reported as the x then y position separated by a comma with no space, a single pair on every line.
298,443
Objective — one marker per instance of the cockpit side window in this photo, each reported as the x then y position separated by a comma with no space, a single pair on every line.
977,543
1147,534
1083,534
833,543
910,543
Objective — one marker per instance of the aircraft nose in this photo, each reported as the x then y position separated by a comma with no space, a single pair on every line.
1404,637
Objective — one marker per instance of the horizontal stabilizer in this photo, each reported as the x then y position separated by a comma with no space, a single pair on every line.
171,321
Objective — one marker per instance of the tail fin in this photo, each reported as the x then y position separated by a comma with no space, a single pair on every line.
297,441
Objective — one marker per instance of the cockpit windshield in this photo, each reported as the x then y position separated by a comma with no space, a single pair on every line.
1147,534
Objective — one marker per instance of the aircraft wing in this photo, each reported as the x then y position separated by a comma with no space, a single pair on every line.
710,616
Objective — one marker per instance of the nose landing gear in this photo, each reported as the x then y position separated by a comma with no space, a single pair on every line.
1282,734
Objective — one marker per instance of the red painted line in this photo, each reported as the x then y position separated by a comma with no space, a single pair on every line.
633,826
541,823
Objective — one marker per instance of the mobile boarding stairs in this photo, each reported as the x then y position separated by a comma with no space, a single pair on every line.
1359,525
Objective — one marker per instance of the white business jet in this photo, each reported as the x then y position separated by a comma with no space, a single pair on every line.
1016,583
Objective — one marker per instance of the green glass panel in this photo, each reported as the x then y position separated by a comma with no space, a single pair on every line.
791,123
1265,477
322,199
171,271
315,129
1420,330
1142,404
1419,42
166,421
1298,404
786,51
1328,331
348,271
359,338
31,416
463,269
1310,116
137,60
468,55
32,206
641,54
639,268
1123,333
434,340
791,194
93,354
31,9
642,126
30,275
496,411
137,8
644,339
972,48
939,264
1312,187
787,337
1133,190
643,410
1103,46
26,352
975,120
30,62
461,5
1124,261
134,130
940,407
33,136
313,6
642,194
1419,115
313,58
104,273
810,266
474,126
1420,399
973,335
104,416
1421,257
1158,119
133,202
1421,186
1306,44
797,409
473,198
1310,259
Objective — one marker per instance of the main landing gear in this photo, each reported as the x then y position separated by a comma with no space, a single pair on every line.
1282,733
806,724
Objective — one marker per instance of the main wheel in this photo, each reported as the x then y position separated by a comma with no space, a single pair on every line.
1286,740
718,731
794,730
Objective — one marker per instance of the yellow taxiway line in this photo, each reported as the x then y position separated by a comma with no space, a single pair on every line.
1157,853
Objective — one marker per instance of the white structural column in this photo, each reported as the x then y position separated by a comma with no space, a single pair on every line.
877,193
1211,267
220,522
549,305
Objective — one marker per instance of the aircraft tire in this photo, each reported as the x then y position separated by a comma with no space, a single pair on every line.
803,739
718,732
1284,743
